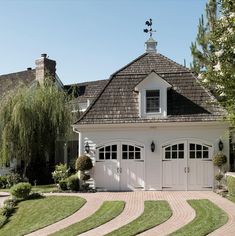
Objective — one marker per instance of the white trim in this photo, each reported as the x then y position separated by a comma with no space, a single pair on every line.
207,124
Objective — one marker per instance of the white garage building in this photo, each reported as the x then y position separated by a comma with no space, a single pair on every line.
153,127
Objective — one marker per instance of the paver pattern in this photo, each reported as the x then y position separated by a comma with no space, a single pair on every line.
182,212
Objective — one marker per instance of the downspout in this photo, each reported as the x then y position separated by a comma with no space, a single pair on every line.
79,140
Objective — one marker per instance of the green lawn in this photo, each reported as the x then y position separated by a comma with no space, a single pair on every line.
31,215
231,198
208,218
108,211
155,213
39,188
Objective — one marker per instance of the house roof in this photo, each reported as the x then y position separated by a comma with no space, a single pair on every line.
187,100
86,90
11,81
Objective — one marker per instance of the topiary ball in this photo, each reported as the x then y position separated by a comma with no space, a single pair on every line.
219,159
84,163
218,177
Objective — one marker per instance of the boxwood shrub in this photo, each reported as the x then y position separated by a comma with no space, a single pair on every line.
21,190
73,183
231,185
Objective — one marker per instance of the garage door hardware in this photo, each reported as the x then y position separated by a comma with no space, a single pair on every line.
186,169
119,170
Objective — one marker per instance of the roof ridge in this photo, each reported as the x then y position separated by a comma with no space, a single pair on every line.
86,82
18,72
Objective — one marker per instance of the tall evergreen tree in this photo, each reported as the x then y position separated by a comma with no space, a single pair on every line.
215,62
202,49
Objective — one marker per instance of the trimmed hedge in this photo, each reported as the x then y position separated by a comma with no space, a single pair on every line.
231,185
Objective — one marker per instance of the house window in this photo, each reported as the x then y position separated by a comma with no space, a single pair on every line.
130,152
152,101
175,151
108,153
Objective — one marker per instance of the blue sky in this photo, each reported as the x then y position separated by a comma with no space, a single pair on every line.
91,39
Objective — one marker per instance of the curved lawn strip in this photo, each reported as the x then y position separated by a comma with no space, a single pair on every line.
231,198
35,214
209,217
108,211
155,213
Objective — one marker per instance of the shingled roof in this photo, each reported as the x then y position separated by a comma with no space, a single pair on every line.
11,81
187,99
86,90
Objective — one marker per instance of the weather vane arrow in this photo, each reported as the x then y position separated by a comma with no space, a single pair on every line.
149,29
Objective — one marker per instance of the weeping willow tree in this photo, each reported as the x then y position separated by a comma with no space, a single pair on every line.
30,121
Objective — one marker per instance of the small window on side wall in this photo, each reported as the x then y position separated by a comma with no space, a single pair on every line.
152,101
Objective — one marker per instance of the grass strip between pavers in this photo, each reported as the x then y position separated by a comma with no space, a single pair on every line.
107,211
155,213
31,215
209,217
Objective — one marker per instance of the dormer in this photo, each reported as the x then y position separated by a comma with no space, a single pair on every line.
153,96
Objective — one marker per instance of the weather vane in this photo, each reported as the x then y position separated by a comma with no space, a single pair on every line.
149,30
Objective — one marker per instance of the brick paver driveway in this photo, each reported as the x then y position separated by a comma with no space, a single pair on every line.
182,212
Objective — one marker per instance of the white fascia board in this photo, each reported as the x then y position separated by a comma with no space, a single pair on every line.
208,124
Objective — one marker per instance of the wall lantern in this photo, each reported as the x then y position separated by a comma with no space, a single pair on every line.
87,147
221,145
152,146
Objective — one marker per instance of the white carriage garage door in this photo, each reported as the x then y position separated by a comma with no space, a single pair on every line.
119,166
187,165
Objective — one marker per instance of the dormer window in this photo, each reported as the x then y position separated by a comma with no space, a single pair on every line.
152,101
152,92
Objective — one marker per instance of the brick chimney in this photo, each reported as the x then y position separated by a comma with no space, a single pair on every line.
45,68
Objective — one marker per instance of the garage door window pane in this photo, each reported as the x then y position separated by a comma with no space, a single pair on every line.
114,155
205,154
107,155
114,148
131,155
181,146
174,155
124,155
192,146
137,155
191,154
181,155
168,155
101,156
199,154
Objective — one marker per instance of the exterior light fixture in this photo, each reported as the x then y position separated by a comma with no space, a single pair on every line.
152,146
87,147
221,145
